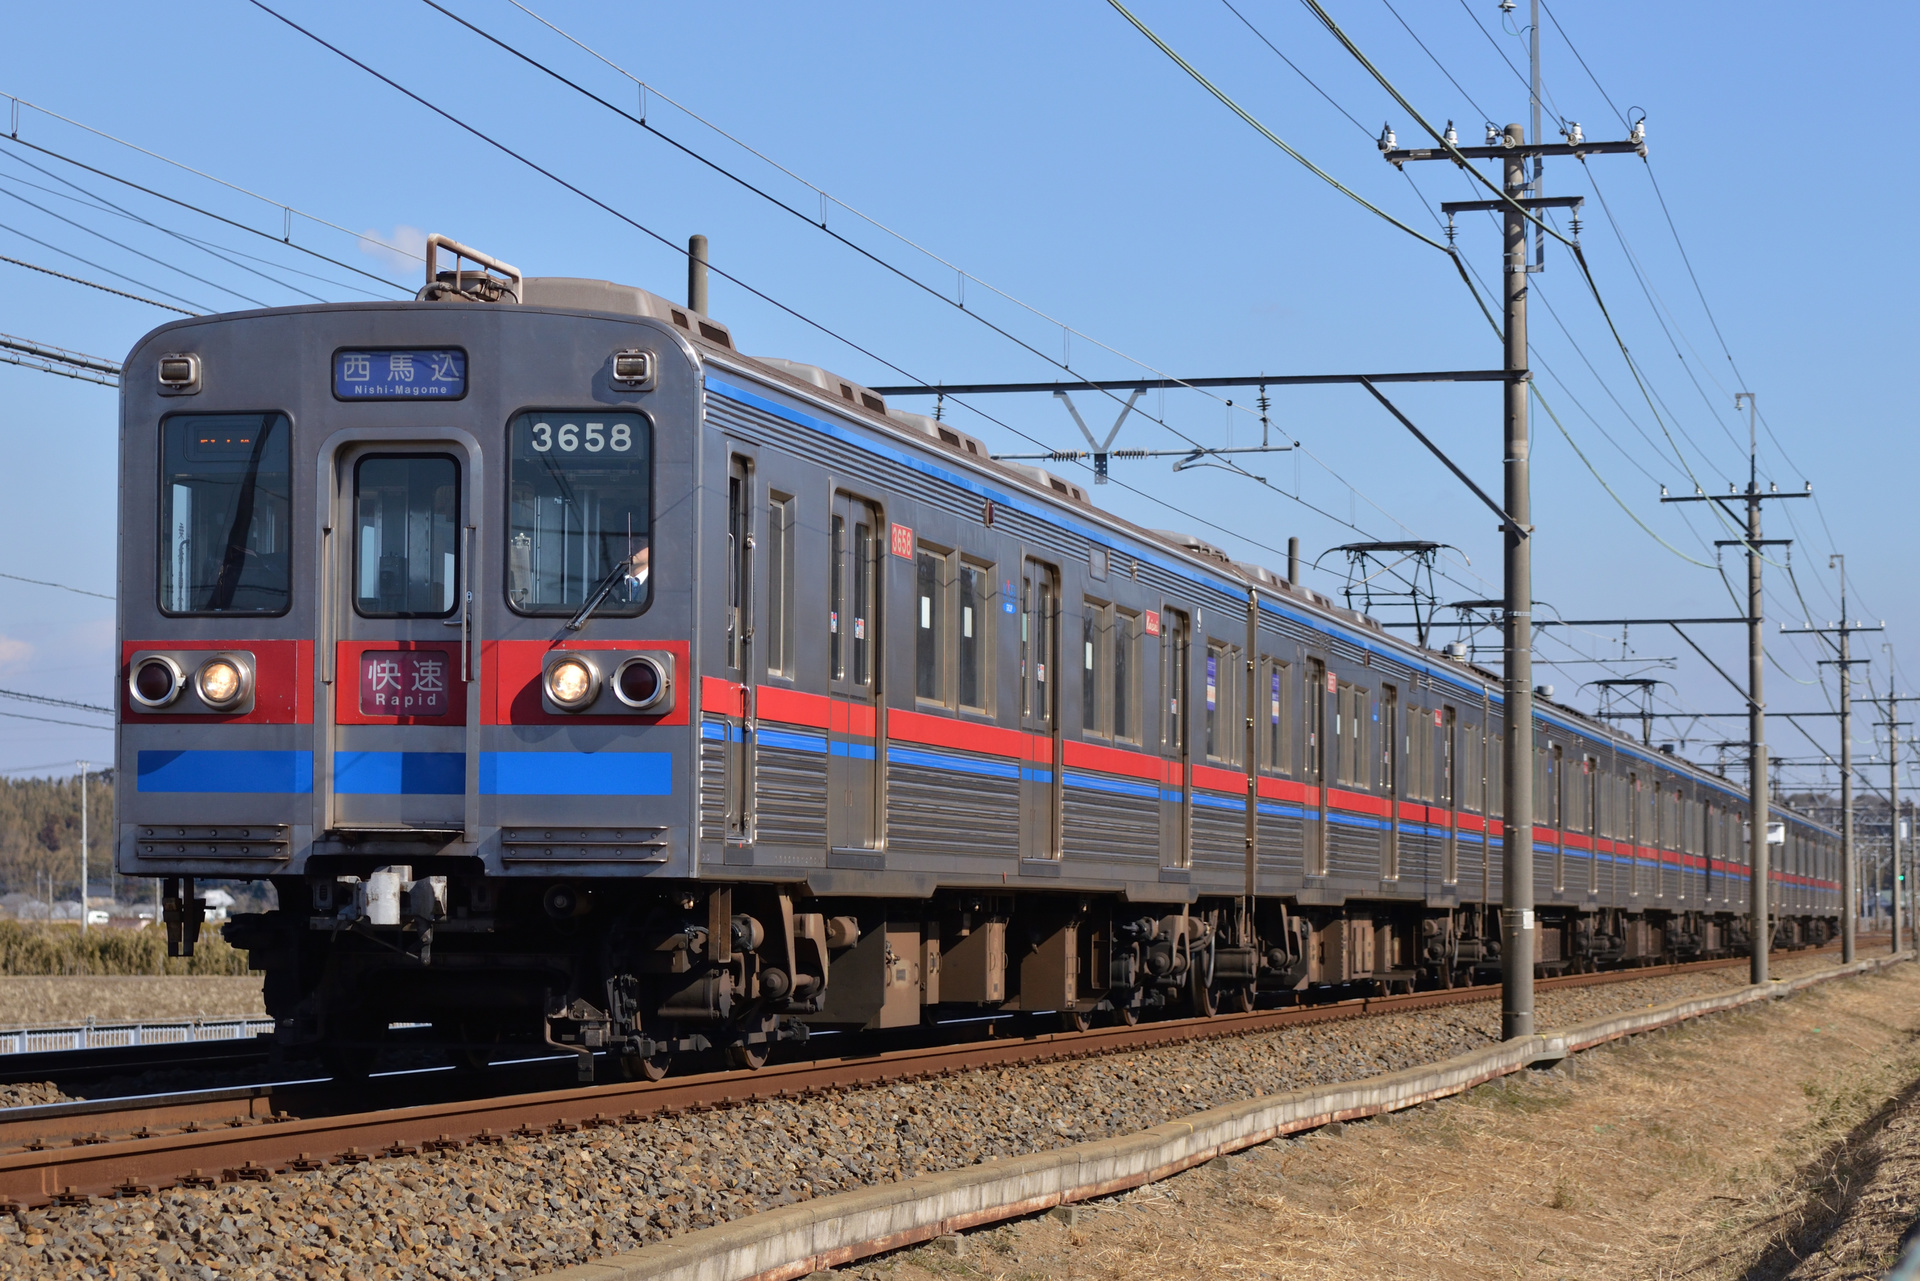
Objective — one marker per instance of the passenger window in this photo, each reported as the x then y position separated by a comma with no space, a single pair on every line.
1272,716
780,586
1039,616
1126,678
930,624
1096,639
1223,716
580,512
406,535
974,621
224,509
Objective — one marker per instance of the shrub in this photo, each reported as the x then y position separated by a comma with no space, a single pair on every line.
32,947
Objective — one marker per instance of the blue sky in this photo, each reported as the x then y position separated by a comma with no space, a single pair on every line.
1051,153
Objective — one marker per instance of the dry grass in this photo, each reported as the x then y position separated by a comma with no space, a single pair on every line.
1767,1143
53,1001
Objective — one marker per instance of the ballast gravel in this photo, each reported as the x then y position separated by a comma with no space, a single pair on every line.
531,1206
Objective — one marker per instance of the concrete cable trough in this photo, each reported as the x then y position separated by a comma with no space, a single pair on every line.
791,1242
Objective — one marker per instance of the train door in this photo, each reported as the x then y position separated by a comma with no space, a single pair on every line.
1390,774
402,754
853,658
1040,710
1450,795
739,648
1634,835
1176,817
1314,766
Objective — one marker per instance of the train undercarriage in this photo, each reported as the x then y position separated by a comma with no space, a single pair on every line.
643,976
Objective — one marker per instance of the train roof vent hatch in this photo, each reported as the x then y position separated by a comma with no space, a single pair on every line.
831,383
1047,480
937,430
575,293
1198,546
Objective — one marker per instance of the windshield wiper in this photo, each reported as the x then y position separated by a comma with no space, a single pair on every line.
634,568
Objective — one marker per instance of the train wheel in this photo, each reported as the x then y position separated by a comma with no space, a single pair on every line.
752,1055
1242,998
1202,1000
1126,1015
635,1068
1075,1020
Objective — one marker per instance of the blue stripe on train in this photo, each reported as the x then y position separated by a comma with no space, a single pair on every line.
251,772
410,773
576,773
399,773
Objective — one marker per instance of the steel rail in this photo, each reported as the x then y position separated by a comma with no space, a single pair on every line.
196,1141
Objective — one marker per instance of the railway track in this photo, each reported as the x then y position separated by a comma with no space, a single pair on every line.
64,1153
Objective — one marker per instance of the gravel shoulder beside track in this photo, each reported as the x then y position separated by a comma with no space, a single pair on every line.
528,1206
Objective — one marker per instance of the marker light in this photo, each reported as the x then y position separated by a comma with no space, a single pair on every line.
640,683
222,682
155,682
572,683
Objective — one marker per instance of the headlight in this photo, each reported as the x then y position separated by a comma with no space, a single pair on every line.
155,682
572,683
223,681
640,683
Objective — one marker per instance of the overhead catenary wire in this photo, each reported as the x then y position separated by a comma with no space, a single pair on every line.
288,209
68,253
784,308
119,244
41,582
108,289
94,200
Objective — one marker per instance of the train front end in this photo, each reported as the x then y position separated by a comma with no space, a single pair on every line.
405,600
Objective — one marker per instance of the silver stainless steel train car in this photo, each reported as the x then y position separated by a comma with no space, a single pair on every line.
577,679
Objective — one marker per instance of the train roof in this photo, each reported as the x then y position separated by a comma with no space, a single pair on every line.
1066,501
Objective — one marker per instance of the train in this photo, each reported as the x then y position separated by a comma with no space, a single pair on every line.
581,683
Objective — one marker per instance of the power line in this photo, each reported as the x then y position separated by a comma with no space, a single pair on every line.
289,210
1267,133
108,289
68,253
790,311
93,200
14,195
45,701
47,720
41,582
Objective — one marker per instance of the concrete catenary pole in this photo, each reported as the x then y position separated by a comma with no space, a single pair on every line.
1758,802
1849,875
697,275
1893,814
1516,917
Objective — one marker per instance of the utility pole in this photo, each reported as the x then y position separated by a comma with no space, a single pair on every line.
1898,880
83,847
1511,148
1849,872
1759,804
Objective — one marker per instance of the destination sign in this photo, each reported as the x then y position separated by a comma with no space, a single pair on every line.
414,374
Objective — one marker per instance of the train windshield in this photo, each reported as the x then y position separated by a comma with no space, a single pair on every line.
580,519
224,506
